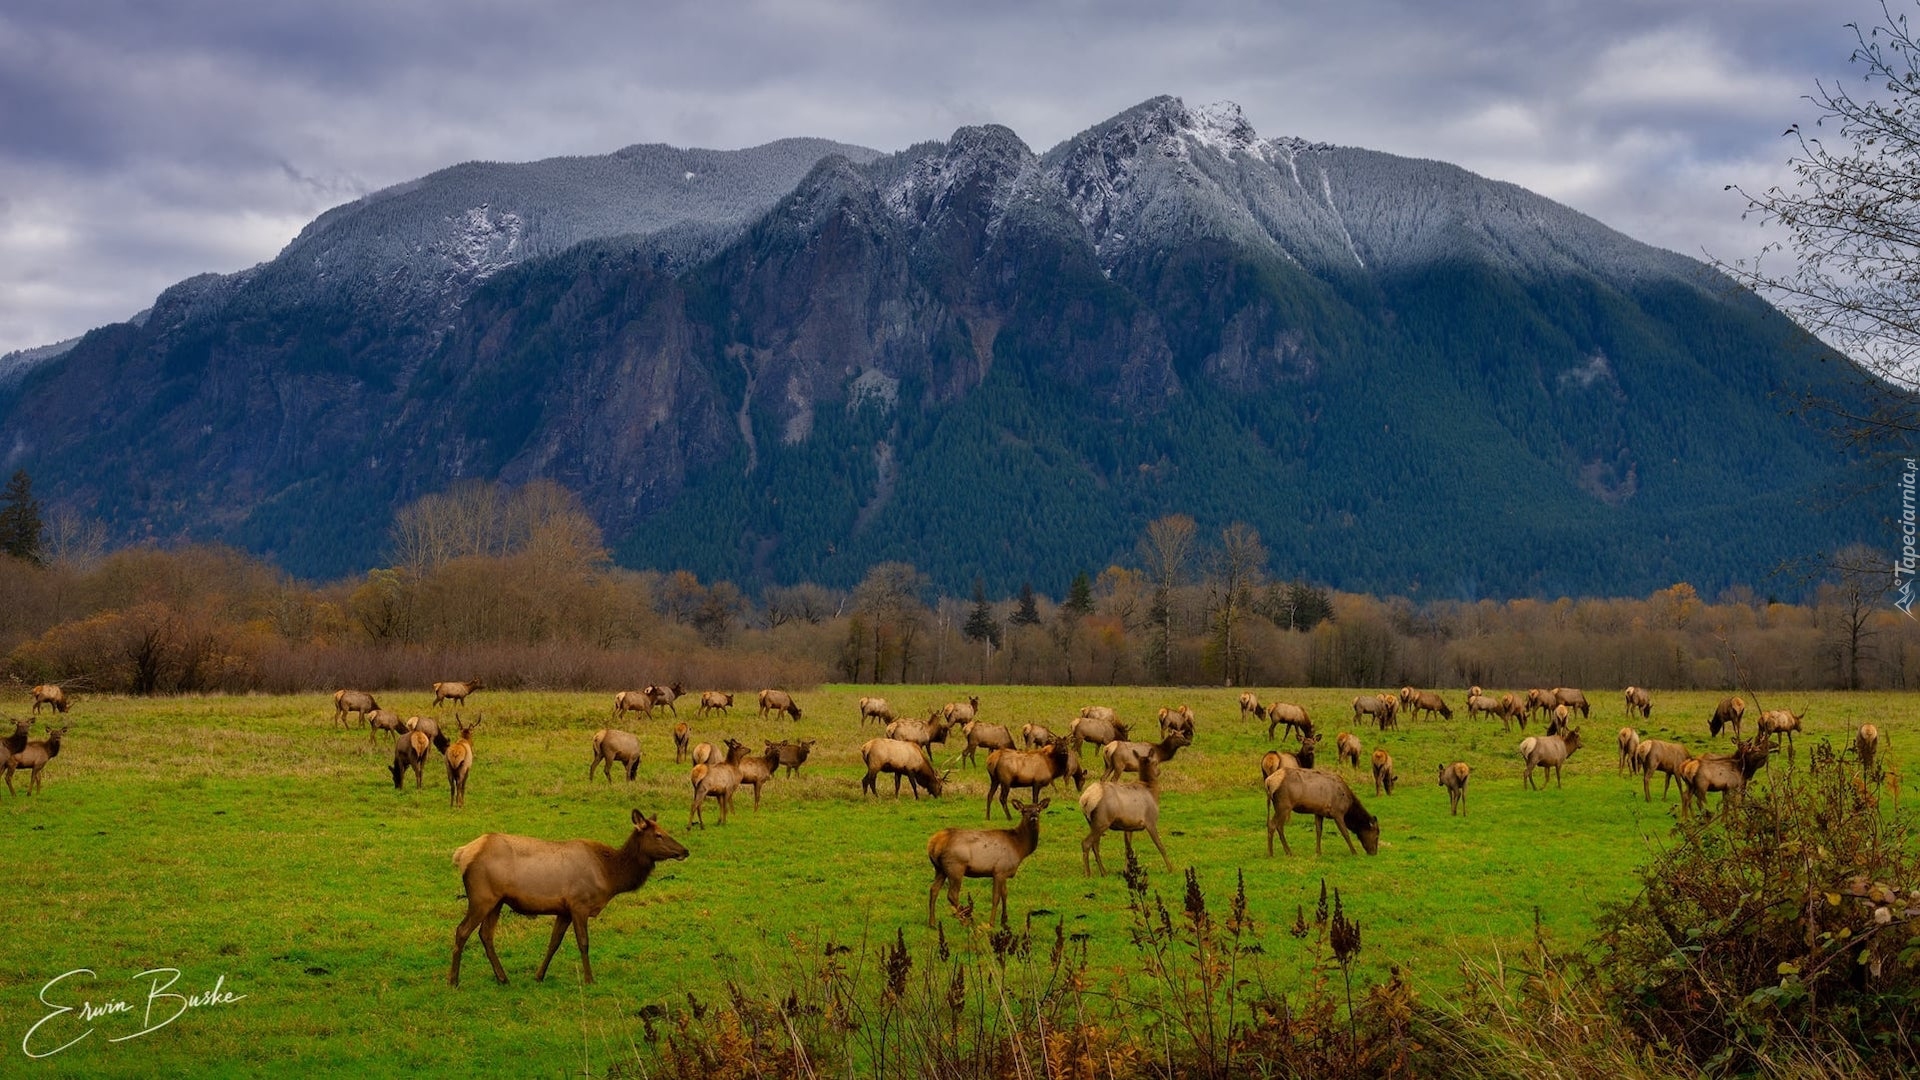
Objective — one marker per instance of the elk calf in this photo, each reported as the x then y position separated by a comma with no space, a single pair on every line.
1454,778
993,853
571,880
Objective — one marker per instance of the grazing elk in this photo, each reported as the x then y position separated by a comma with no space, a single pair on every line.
1561,721
903,759
1728,714
455,692
1639,703
1289,714
384,720
32,757
460,761
989,853
1629,739
1125,757
1250,706
778,701
713,701
1407,695
1725,773
665,695
681,736
1549,753
1129,808
1779,722
627,701
1866,745
1454,778
1540,701
358,702
410,752
432,727
961,712
1325,796
991,736
1030,769
1383,775
50,695
571,880
791,755
1100,712
1098,730
877,710
1658,755
1426,701
1481,705
1274,760
1032,735
1572,699
1346,747
611,745
1180,719
1511,708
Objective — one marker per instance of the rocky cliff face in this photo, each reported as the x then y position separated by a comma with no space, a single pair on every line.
977,358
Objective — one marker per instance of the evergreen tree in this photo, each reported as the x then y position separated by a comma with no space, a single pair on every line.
20,523
981,625
1080,595
1028,613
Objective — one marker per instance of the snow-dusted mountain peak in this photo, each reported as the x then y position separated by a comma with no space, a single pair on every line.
1221,126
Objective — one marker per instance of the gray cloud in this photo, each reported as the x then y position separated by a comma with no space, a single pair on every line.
143,143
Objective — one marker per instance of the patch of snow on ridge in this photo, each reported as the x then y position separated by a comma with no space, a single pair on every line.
1222,127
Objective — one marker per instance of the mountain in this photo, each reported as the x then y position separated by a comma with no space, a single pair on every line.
792,362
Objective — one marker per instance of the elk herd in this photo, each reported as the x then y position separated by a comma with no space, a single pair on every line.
574,880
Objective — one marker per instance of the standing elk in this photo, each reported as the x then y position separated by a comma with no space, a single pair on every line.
990,853
1639,703
1511,708
33,757
1383,775
1032,735
1481,705
50,695
904,760
778,701
1549,753
384,720
627,701
1180,719
1098,730
15,742
432,728
1347,749
1128,808
682,734
717,781
358,702
991,736
1725,773
1426,701
665,695
1325,796
1561,721
460,762
1657,755
712,701
410,752
612,745
455,692
961,712
1572,699
1541,701
1030,769
1779,722
571,880
1250,706
1124,757
922,733
791,755
877,710
1289,714
1866,745
1274,760
754,771
1629,740
1727,714
1454,778
1100,712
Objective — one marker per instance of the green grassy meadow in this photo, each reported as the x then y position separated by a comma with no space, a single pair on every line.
250,840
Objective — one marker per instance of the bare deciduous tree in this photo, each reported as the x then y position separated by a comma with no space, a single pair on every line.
1165,551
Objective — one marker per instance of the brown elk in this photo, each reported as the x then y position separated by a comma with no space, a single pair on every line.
384,720
1097,730
991,736
1728,714
1289,714
665,695
922,733
1407,696
572,880
681,736
1639,703
705,753
904,760
1128,808
1032,735
712,701
877,710
358,702
410,752
1657,755
15,742
754,771
1572,699
455,692
1561,721
1866,745
612,745
1481,705
990,853
1347,748
432,727
627,701
1540,701
1328,798
1454,778
961,712
1426,701
1250,706
33,757
778,701
1100,712
1274,760
791,755
1030,769
460,761
1383,775
1125,757
1629,739
50,695
1779,722
1373,706
1180,719
1511,708
717,781
1549,753
1725,773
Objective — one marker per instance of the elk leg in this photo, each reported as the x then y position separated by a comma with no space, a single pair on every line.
1319,828
580,939
1345,835
896,786
487,923
1153,834
999,900
953,893
560,922
933,894
1091,844
460,935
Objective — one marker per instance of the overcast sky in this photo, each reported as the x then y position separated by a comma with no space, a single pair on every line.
143,142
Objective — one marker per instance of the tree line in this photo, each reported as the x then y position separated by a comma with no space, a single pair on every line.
515,586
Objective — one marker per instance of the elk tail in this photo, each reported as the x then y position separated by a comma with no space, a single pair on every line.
464,855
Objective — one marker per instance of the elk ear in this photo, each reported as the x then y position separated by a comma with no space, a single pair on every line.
639,819
1044,803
